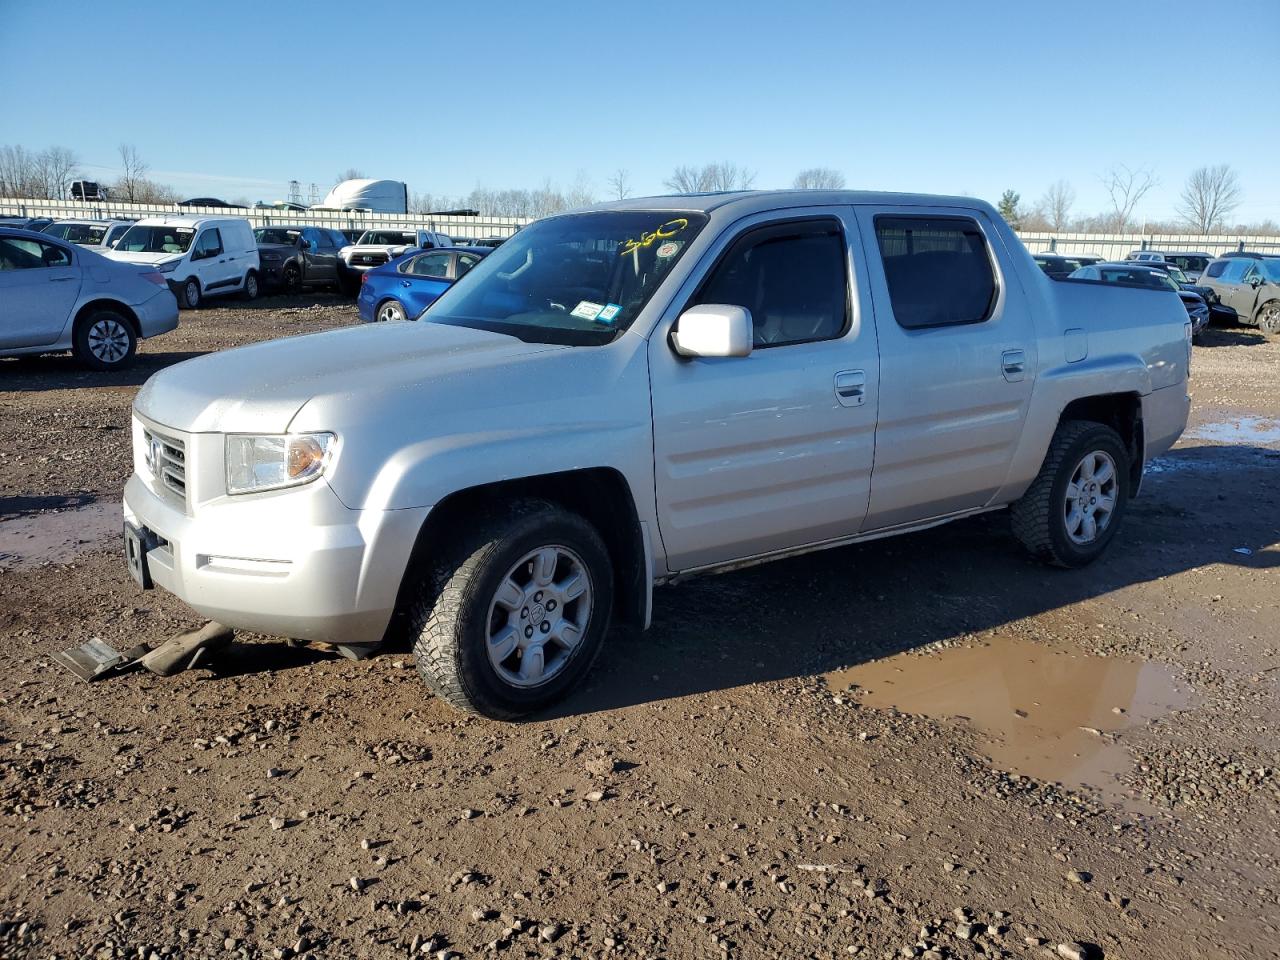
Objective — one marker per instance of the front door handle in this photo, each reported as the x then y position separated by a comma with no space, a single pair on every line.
1014,365
851,388
405,283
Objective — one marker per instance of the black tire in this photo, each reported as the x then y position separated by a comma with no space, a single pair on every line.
291,278
249,290
389,311
451,621
105,340
190,294
1039,517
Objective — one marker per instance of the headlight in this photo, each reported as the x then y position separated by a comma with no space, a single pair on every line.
168,267
257,463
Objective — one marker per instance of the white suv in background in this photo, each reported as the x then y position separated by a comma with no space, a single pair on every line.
101,234
200,256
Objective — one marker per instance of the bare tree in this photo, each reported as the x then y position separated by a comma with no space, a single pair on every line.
351,173
1211,195
1056,205
729,176
17,172
1126,187
712,176
819,178
133,172
582,192
55,169
686,179
620,184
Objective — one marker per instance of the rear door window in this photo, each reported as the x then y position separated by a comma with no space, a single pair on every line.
938,270
431,265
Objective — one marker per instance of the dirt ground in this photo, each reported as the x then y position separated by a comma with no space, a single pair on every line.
1087,769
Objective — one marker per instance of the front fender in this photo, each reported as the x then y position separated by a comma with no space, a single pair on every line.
428,471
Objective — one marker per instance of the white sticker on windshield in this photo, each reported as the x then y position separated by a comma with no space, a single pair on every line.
668,249
586,310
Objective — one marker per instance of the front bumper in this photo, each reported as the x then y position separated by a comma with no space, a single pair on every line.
294,563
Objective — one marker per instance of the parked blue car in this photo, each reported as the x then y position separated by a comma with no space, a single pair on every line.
402,289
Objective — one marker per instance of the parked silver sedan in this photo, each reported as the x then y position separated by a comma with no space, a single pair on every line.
58,296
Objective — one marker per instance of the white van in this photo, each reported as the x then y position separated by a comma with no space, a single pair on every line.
200,256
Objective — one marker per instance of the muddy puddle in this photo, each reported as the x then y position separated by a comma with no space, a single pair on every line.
1051,714
31,539
1245,431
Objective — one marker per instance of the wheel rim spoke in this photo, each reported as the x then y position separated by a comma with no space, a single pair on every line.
1104,473
544,567
532,664
509,596
567,635
1074,519
572,587
505,644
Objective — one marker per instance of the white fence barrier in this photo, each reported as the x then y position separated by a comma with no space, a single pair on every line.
1114,246
469,227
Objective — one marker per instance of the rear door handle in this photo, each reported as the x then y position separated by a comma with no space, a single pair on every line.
60,279
405,283
1014,365
851,388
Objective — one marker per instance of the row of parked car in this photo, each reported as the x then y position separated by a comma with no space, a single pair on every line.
204,256
1241,286
97,287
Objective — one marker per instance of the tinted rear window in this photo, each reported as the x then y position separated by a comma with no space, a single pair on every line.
938,270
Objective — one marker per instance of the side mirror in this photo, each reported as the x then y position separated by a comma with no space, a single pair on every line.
713,330
1256,281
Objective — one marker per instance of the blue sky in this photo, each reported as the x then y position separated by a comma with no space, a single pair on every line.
943,97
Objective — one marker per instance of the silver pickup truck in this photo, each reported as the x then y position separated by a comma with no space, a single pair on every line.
644,390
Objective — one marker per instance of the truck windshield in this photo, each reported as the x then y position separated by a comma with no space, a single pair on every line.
390,238
276,235
579,279
139,239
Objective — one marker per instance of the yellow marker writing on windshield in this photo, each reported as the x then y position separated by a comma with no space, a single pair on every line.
668,229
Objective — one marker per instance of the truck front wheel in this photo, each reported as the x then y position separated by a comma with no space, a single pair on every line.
1073,508
512,619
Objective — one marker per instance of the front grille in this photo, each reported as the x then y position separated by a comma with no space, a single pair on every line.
370,259
166,457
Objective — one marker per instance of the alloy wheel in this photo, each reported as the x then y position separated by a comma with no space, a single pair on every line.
538,616
1090,500
108,340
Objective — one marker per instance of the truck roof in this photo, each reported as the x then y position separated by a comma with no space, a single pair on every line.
752,201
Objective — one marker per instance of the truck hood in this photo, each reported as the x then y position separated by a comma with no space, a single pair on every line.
259,388
376,247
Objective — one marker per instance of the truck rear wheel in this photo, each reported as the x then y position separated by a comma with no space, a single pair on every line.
513,619
1072,510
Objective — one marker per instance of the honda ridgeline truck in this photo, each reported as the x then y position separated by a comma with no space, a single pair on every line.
641,391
